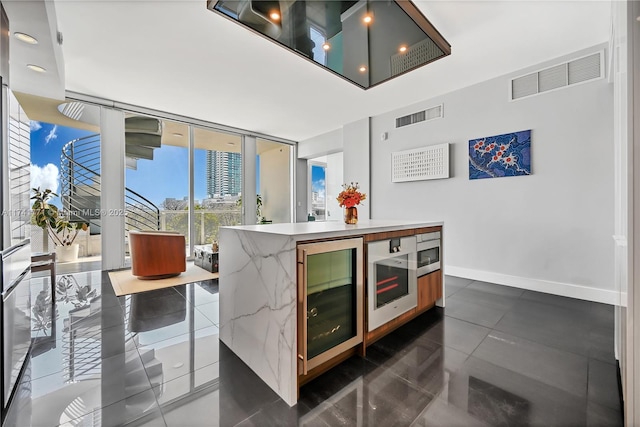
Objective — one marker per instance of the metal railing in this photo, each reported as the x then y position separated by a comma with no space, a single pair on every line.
80,189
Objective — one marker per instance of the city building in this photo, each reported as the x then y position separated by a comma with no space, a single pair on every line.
223,174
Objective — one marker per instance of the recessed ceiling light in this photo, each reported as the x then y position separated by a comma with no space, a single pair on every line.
26,38
367,19
231,143
178,365
363,69
275,16
37,68
326,46
403,48
178,134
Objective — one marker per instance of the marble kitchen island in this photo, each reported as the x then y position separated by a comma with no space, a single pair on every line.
257,287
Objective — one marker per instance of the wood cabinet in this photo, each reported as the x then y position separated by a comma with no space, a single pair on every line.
429,290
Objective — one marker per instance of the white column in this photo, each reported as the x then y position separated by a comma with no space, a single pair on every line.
356,160
249,179
112,166
192,204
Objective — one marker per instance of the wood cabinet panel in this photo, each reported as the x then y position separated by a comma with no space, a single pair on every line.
427,230
388,235
429,289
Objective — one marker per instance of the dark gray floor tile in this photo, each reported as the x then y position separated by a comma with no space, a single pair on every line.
375,397
20,412
100,381
426,365
454,284
165,358
179,355
280,414
557,368
459,282
211,311
138,410
603,384
602,345
602,416
182,403
473,312
550,325
457,334
491,288
498,396
200,293
418,326
387,347
171,325
242,393
593,311
439,413
477,296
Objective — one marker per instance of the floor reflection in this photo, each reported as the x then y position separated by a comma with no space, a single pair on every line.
154,359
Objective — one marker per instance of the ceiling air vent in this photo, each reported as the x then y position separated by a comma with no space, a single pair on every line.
562,75
420,116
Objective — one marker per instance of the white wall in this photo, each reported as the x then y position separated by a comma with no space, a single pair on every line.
327,143
274,184
334,180
356,168
550,231
301,190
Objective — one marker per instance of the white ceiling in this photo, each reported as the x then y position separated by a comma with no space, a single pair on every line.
177,56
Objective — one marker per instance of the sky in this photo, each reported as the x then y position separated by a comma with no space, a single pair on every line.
318,180
47,141
166,176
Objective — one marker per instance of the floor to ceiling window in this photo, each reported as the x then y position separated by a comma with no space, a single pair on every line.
217,182
165,192
66,160
157,175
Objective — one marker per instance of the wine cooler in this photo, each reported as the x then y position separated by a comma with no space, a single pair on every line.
330,300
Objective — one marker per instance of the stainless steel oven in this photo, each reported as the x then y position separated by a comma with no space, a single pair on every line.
391,280
428,252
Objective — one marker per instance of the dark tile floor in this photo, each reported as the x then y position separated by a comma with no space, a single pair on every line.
495,356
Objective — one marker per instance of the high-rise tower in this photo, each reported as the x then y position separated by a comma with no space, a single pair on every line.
223,173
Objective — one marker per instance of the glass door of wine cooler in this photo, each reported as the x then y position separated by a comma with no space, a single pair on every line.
330,300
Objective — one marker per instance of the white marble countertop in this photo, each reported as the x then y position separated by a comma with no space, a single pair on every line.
322,229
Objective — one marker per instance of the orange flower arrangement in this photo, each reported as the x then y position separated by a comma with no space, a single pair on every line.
350,196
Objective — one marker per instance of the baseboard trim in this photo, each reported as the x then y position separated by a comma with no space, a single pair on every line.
557,288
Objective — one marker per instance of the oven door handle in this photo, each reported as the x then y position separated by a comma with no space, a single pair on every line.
429,244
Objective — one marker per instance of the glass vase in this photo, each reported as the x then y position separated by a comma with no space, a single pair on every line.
351,215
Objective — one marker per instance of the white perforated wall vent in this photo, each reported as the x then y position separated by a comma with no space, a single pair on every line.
430,162
421,116
579,70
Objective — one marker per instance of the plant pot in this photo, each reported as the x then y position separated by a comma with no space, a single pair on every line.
67,253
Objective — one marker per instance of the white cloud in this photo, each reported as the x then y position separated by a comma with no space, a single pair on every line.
34,126
45,177
51,135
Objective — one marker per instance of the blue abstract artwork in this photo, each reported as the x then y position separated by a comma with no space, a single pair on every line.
500,155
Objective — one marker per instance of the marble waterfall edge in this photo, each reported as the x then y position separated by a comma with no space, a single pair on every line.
257,288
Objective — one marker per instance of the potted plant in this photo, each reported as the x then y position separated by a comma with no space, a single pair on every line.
63,232
259,218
